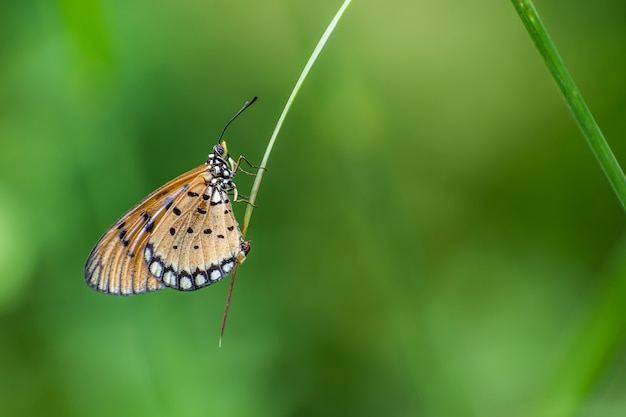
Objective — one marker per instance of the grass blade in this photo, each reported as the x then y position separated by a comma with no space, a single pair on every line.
573,98
268,150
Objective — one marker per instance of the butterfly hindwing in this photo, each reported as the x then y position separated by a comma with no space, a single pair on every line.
200,241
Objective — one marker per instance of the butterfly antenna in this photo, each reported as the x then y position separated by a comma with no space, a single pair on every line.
245,106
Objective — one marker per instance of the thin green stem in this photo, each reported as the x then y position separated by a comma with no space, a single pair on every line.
316,52
578,108
268,150
592,348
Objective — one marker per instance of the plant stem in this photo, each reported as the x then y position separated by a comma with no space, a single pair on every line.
281,119
268,150
573,98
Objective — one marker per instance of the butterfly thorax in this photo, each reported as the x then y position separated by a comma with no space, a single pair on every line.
221,173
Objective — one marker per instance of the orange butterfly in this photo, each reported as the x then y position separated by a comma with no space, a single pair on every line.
184,235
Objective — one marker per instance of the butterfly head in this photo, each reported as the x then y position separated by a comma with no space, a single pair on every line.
221,150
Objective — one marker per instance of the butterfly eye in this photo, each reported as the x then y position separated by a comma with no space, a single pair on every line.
220,149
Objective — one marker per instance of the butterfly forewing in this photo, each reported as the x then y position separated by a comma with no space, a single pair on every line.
183,235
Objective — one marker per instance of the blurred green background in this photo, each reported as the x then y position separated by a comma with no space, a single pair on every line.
433,237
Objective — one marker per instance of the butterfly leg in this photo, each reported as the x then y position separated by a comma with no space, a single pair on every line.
236,199
236,166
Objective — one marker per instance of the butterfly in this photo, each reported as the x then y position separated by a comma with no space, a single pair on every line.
184,235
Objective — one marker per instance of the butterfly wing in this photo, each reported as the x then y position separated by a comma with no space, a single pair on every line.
200,242
117,264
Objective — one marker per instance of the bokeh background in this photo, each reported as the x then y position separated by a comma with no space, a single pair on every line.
433,236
